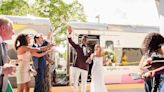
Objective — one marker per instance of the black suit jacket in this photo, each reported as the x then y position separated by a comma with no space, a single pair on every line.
80,61
36,59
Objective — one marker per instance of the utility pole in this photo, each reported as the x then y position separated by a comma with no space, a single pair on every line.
98,18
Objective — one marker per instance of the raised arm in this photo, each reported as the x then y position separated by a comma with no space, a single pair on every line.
69,29
73,44
40,54
32,49
45,48
28,48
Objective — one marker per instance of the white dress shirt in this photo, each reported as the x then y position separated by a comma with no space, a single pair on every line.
84,50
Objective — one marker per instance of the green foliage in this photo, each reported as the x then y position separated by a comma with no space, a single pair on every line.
14,7
59,12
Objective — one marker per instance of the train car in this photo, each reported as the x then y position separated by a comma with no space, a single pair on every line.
121,42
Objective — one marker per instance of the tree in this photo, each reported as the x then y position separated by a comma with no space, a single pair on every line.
58,11
60,14
14,7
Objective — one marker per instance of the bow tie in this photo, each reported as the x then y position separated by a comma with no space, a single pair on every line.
84,45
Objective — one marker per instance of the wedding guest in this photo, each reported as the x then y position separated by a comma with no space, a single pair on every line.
6,33
25,53
152,47
43,79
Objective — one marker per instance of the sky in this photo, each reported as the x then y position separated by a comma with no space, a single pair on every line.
134,12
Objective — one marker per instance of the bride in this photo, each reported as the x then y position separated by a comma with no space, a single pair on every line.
97,82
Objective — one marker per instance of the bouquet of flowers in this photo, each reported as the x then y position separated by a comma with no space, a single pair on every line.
109,55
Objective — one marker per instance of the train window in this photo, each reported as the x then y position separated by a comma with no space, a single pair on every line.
121,56
109,45
130,56
109,53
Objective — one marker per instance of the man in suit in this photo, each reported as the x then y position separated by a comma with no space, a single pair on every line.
6,32
80,67
42,83
39,64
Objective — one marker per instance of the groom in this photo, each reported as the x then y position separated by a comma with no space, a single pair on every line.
80,67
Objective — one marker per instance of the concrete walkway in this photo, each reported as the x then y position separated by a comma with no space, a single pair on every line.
111,88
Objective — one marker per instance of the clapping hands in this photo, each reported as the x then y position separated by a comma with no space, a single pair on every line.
148,75
148,62
8,69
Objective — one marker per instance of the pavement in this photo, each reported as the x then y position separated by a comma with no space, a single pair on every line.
111,88
127,90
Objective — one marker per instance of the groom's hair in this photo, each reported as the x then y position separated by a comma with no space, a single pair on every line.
37,36
84,37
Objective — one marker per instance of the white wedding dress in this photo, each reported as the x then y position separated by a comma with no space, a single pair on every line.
97,82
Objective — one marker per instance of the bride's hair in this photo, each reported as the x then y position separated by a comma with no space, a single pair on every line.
98,46
21,40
